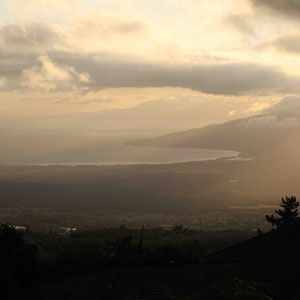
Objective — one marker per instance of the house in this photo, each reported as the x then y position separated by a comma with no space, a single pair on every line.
66,230
271,259
267,266
264,267
20,228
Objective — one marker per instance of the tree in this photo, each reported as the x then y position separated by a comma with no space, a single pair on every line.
287,215
18,273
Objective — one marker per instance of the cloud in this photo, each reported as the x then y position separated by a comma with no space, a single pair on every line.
92,33
271,122
47,58
288,106
258,106
61,69
240,23
2,82
287,43
219,79
289,8
44,9
106,26
98,32
284,114
49,75
29,37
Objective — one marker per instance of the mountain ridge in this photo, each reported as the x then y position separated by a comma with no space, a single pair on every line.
251,136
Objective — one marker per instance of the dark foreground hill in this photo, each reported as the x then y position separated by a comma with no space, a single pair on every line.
265,267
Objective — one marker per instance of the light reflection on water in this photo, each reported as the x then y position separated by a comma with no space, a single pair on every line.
130,155
95,150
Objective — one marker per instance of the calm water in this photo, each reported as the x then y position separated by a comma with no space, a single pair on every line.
147,155
99,151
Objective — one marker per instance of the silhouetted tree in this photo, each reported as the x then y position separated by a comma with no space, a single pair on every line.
18,274
287,215
259,231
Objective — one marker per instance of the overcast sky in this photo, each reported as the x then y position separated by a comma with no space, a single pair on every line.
69,56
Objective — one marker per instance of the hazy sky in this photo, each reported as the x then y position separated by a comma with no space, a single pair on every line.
64,56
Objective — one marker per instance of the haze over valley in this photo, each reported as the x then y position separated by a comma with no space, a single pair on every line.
148,106
149,149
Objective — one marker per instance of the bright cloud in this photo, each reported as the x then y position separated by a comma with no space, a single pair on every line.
86,55
49,75
258,106
271,122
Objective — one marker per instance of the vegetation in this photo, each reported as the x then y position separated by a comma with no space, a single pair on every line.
250,290
34,261
287,215
39,265
19,273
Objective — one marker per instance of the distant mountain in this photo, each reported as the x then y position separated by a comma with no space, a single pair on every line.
154,117
252,136
149,118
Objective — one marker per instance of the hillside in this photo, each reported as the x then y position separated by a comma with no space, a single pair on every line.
251,136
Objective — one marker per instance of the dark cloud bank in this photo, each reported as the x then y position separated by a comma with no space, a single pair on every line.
219,79
289,8
288,43
21,45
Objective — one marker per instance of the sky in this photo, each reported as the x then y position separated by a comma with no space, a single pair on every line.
214,60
